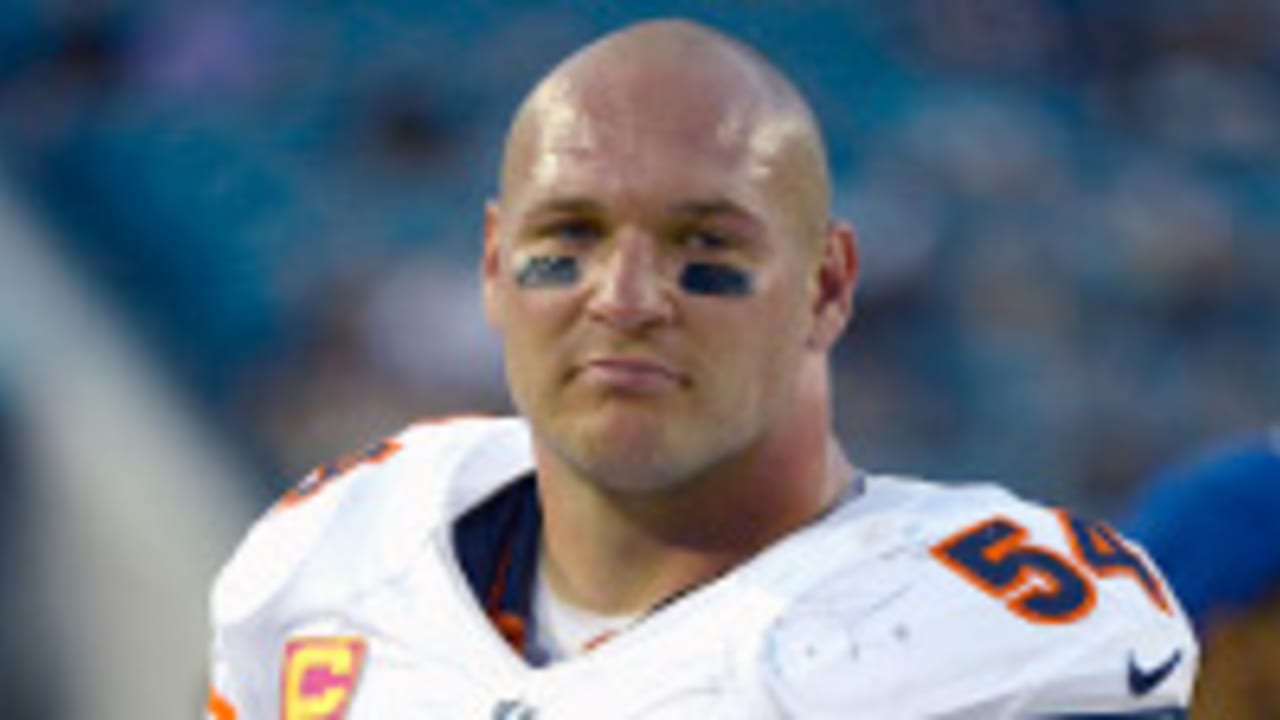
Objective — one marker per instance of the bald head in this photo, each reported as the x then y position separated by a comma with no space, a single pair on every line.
664,202
683,81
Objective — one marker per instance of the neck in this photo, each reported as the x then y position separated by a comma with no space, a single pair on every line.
615,552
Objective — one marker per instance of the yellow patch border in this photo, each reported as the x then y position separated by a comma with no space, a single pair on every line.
341,658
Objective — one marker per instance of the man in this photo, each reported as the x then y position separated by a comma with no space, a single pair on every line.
1210,520
670,529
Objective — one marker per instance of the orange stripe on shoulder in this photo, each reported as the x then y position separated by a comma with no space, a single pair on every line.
325,475
219,707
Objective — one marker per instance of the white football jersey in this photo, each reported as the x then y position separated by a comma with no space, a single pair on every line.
391,586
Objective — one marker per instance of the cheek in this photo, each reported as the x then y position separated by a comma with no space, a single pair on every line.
780,328
534,323
749,344
784,312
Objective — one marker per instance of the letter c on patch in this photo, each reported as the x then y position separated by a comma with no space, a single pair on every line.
320,675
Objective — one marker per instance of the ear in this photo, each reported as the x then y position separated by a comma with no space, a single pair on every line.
491,268
836,278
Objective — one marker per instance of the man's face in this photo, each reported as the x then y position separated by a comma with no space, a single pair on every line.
649,277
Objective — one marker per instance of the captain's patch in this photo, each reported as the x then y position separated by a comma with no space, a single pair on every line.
320,676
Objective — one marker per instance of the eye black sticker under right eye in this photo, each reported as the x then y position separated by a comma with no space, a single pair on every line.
548,271
715,279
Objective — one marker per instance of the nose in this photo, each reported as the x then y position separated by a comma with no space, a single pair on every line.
629,293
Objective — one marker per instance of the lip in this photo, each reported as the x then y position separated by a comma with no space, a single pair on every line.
636,375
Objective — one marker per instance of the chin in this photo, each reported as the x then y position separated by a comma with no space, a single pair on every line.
627,477
632,461
636,447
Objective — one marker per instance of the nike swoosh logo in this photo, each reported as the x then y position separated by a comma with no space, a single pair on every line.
1143,681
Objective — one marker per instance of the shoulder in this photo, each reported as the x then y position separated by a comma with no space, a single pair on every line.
357,520
971,599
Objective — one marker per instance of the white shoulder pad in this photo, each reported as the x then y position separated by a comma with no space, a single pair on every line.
985,606
360,518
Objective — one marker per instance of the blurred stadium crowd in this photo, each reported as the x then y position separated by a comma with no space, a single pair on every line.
1070,209
1069,212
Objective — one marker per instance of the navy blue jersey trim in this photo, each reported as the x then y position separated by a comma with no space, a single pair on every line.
497,544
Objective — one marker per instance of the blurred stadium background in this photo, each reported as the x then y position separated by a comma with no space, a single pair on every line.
237,239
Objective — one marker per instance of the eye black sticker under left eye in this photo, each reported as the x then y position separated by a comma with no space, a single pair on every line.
715,279
545,271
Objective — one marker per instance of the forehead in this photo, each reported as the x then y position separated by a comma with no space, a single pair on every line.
653,134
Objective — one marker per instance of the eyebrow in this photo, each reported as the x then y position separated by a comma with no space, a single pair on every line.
715,206
688,210
566,206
